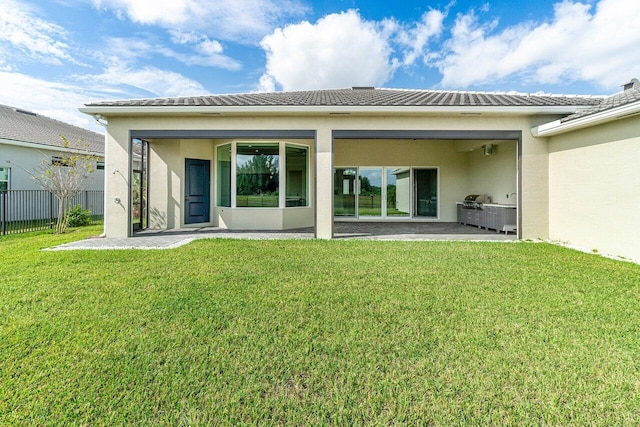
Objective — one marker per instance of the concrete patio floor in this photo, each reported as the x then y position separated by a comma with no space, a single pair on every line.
167,239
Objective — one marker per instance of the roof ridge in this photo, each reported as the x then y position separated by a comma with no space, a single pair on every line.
488,92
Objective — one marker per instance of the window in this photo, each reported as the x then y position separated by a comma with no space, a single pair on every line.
257,175
62,161
262,175
296,176
224,176
5,175
99,165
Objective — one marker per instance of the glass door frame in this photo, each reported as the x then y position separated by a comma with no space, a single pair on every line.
384,195
142,188
383,192
414,193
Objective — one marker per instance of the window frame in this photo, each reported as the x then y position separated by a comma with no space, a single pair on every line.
61,161
282,171
384,211
7,180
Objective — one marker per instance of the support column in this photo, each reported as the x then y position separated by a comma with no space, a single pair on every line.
117,172
324,184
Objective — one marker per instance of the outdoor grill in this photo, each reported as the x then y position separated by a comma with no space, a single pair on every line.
475,201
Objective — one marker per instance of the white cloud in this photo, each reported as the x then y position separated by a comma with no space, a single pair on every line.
208,52
22,34
236,20
416,39
339,50
61,100
56,100
580,43
158,82
128,51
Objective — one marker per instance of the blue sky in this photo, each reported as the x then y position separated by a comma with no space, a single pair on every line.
56,55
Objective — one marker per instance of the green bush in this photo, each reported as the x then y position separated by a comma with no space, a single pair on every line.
79,217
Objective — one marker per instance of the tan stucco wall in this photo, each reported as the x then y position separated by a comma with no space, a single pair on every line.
534,156
496,174
116,215
166,178
594,186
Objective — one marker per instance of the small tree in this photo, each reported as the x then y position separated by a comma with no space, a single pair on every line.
64,176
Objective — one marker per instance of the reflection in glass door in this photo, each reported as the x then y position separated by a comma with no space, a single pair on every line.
426,192
139,213
398,192
344,192
370,192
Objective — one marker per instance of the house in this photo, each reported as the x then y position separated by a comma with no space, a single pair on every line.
564,165
27,138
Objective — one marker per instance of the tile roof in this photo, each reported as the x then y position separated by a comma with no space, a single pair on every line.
362,97
21,125
628,96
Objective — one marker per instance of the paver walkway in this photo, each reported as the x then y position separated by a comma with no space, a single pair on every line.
168,239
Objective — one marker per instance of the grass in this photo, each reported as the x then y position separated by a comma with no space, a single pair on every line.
317,332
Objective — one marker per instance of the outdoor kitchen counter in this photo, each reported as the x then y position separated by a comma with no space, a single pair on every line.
494,216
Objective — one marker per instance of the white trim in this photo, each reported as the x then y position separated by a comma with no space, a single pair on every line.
308,178
557,127
48,147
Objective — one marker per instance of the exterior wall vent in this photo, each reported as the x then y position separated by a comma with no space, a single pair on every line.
633,84
19,110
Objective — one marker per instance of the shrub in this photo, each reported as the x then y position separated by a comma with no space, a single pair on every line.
78,217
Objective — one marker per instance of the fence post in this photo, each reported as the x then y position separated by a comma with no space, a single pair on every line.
4,194
50,210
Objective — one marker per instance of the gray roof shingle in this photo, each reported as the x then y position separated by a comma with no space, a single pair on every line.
625,97
362,97
21,125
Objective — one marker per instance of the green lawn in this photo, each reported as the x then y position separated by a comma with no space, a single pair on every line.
317,332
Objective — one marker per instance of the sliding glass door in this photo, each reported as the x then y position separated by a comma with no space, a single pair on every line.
344,192
398,194
386,192
370,194
426,192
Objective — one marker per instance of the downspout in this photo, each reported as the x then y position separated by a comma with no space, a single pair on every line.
104,123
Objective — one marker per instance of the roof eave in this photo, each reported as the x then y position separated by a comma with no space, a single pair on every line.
49,147
558,127
110,111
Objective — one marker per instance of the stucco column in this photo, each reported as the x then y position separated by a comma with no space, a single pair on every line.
324,184
534,188
116,209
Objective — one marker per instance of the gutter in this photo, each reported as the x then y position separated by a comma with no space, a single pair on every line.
558,127
103,112
56,148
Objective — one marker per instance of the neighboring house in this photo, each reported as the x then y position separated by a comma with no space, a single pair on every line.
567,164
26,139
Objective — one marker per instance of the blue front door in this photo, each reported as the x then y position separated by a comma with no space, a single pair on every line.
197,191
